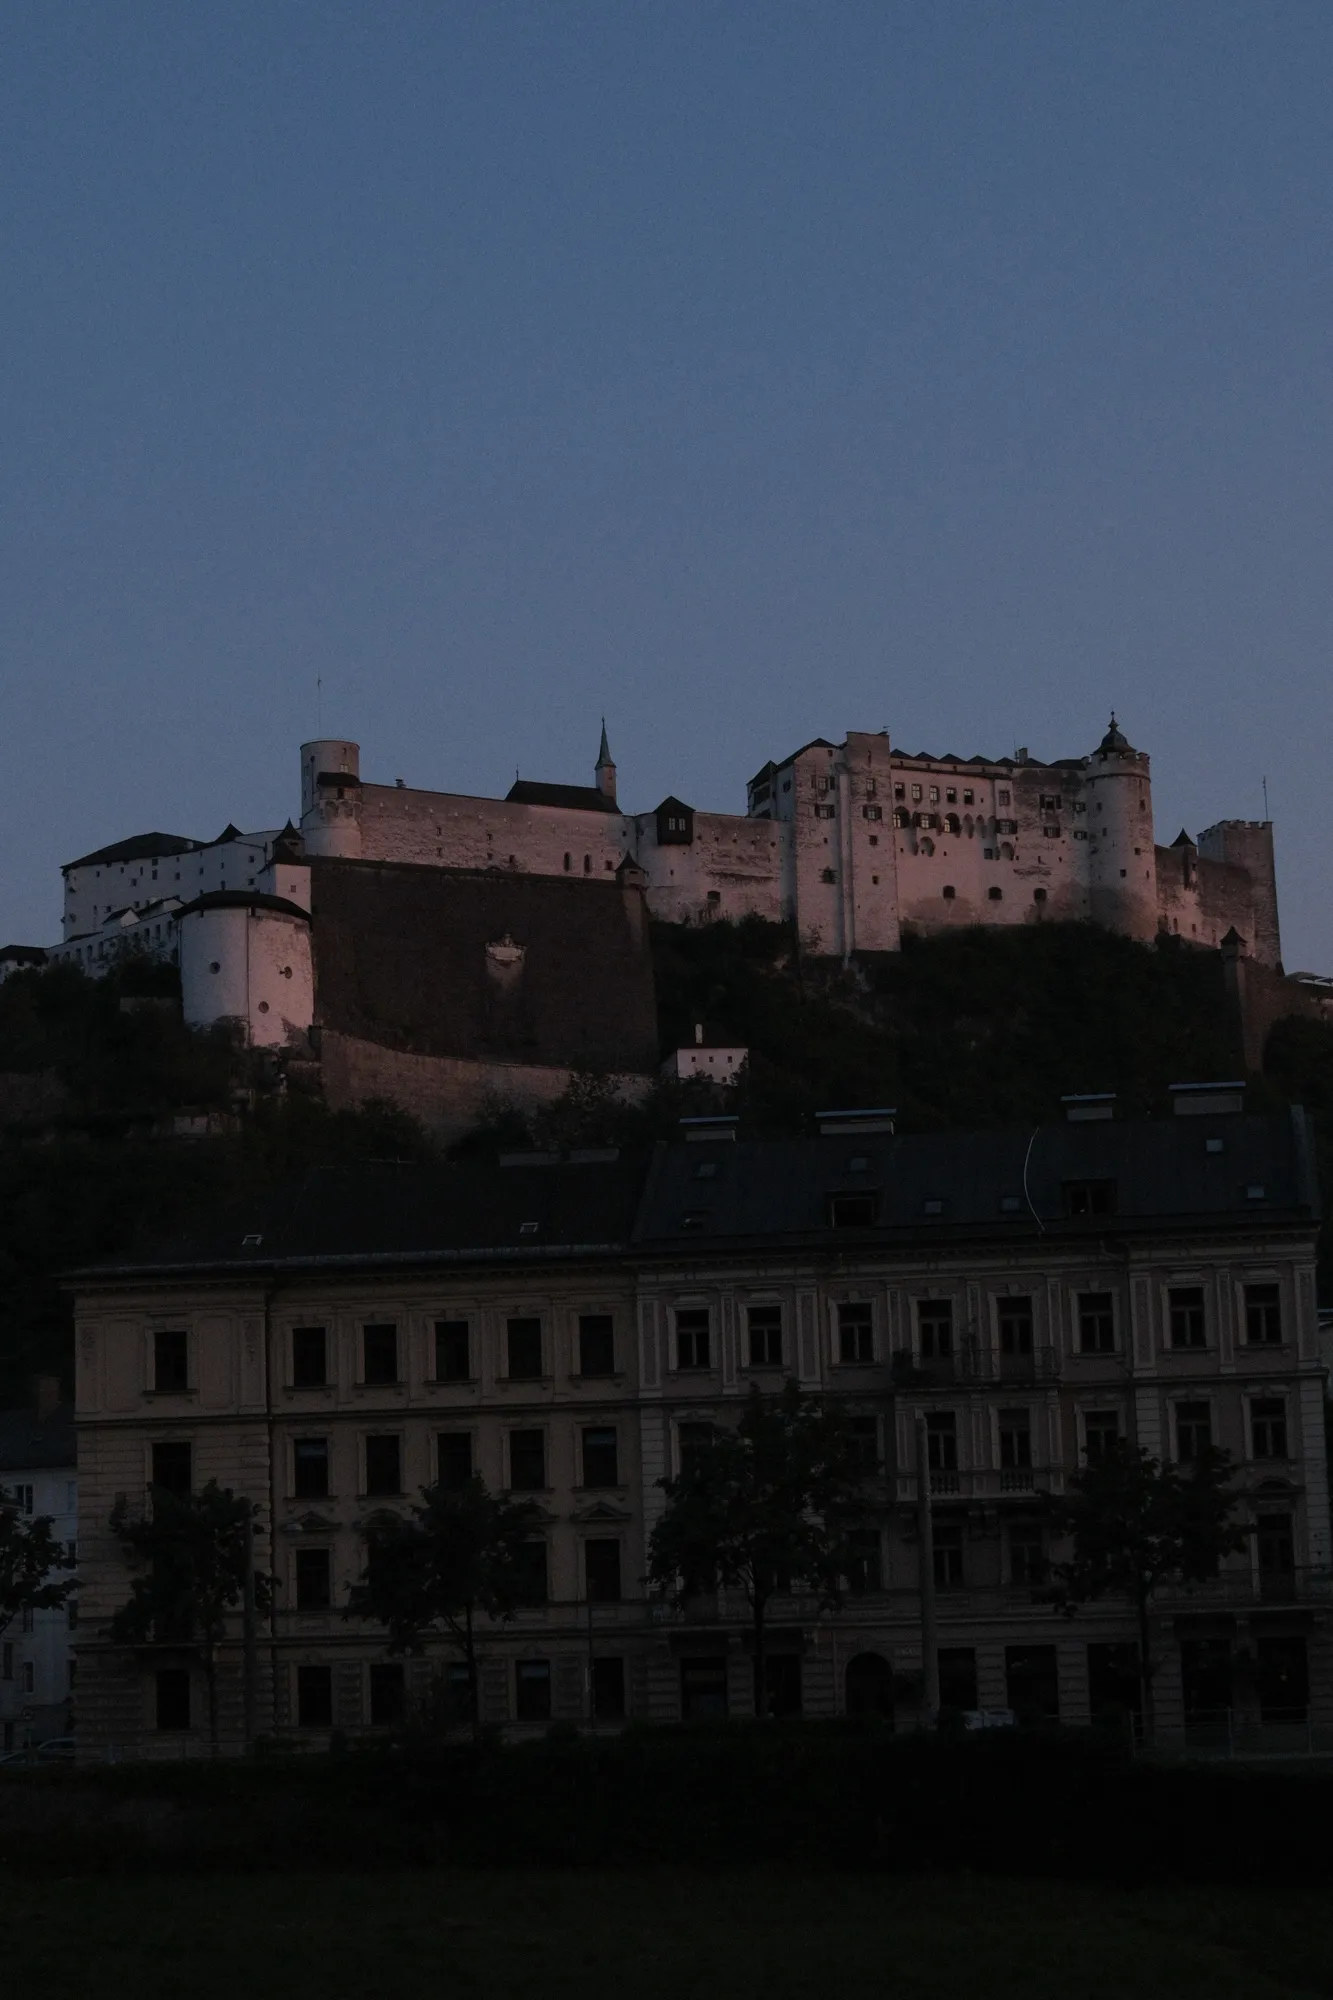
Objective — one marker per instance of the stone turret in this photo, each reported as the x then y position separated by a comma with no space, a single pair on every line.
1122,866
605,769
331,798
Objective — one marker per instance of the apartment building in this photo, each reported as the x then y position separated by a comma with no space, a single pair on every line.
570,1327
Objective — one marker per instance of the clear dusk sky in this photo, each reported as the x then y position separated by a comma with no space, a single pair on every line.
743,371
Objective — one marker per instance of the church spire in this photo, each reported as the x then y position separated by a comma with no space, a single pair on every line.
605,768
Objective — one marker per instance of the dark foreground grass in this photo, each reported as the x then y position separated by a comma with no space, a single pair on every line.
650,1934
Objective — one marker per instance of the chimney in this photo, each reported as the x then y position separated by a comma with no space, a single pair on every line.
46,1394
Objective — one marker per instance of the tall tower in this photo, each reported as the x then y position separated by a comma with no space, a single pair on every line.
605,769
331,798
1122,862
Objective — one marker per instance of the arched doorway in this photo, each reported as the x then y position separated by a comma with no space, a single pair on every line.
868,1685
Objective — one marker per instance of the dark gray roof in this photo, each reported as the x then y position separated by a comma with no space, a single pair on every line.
770,1193
583,798
29,1442
244,899
140,848
946,1185
383,1211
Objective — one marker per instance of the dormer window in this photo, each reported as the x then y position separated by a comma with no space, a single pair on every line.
852,1211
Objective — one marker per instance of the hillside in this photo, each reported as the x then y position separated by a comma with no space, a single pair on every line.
104,1091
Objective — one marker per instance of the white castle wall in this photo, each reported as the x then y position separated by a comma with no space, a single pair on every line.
95,891
248,965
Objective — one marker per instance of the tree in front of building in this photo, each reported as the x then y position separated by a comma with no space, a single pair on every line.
762,1507
1136,1526
31,1558
463,1554
194,1552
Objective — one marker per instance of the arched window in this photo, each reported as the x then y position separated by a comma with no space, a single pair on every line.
1039,895
927,846
901,816
952,823
995,894
949,892
1006,850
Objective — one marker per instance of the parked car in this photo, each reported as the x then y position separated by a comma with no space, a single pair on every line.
55,1750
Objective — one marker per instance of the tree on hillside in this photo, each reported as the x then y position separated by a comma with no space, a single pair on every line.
460,1556
1137,1525
760,1507
30,1557
194,1551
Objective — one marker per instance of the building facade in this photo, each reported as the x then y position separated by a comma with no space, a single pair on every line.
37,1468
571,1328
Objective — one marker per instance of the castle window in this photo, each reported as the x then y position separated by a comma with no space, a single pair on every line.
902,817
874,840
873,812
567,864
949,892
900,791
1051,832
995,894
934,795
825,812
969,798
916,793
870,788
1039,895
587,864
952,823
1002,798
951,796
828,876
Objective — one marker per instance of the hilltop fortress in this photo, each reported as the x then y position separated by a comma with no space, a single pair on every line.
436,947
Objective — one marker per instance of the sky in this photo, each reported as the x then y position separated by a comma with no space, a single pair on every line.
742,372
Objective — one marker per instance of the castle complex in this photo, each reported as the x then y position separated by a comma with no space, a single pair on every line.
528,907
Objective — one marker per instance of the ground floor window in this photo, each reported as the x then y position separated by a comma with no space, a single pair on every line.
314,1697
782,1684
1032,1683
1205,1677
1114,1687
388,1695
958,1677
533,1691
703,1688
1282,1675
173,1698
608,1690
868,1685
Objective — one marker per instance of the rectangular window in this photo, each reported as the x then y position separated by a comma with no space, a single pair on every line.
948,1557
1090,1198
934,1326
692,1342
863,1437
22,1495
600,1458
384,1465
171,1367
1263,1316
597,1344
453,1351
608,1690
310,1366
524,1340
1185,1316
172,1469
1015,1326
28,1682
388,1695
1194,1430
173,1697
703,1689
1096,1323
694,1439
1101,1434
7,1660
1032,1683
314,1697
527,1461
1027,1554
1015,1439
865,1569
1268,1427
453,1459
958,1677
764,1324
532,1690
530,1573
942,1441
1276,1546
856,1331
314,1587
310,1468
852,1211
380,1354
601,1562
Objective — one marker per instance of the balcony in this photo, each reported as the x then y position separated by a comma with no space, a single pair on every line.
986,1483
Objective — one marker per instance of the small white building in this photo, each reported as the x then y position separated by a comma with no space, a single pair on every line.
37,1465
713,1053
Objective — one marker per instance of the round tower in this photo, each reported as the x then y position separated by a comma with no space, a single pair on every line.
245,959
331,798
1122,864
